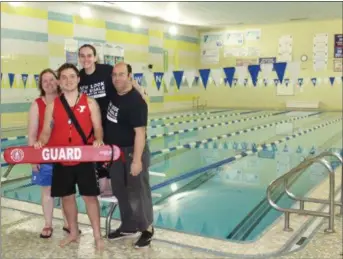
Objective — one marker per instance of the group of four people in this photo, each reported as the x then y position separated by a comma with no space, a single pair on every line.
99,104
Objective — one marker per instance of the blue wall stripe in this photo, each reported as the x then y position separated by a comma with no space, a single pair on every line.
89,39
126,28
182,38
61,17
14,107
156,50
23,35
156,99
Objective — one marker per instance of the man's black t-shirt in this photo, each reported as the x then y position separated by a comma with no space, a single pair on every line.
97,84
124,113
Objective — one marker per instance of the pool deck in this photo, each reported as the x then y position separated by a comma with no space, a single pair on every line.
22,223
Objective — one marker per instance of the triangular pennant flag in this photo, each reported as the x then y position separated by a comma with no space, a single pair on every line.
280,70
235,146
229,73
241,71
11,78
216,75
286,81
226,146
24,78
332,80
276,82
196,80
254,147
254,70
204,74
138,77
190,76
178,75
36,77
167,77
226,82
314,81
266,69
235,80
158,76
245,82
300,81
274,147
265,81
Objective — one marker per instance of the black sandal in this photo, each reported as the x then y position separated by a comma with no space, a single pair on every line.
46,229
68,231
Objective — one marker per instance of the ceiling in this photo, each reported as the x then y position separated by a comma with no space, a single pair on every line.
220,14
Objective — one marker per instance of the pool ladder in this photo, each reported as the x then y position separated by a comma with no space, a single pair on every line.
196,104
321,159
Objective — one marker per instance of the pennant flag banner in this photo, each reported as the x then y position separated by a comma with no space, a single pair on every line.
242,73
158,79
226,81
265,81
11,78
245,82
196,79
254,70
167,78
314,81
178,75
204,74
229,73
138,77
216,75
190,77
24,78
276,82
332,80
266,69
300,81
286,81
36,77
280,70
235,81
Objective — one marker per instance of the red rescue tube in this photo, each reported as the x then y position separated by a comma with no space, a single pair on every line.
57,154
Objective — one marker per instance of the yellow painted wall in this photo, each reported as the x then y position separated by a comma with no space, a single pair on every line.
265,97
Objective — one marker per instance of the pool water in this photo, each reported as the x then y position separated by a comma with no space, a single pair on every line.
204,192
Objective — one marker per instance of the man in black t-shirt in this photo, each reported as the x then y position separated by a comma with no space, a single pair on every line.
126,122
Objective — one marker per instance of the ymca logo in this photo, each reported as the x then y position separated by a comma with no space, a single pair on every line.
81,108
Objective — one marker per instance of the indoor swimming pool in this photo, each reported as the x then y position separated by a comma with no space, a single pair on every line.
218,164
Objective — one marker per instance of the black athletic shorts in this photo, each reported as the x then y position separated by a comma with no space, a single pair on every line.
102,171
65,178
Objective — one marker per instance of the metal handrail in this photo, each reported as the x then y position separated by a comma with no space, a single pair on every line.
300,169
9,169
314,200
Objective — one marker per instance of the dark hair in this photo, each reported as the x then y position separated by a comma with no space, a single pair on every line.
88,46
40,86
67,66
129,69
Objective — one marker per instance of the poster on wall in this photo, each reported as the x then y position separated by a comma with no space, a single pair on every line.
233,38
211,40
113,54
245,62
337,65
252,34
320,51
71,48
210,56
338,48
285,48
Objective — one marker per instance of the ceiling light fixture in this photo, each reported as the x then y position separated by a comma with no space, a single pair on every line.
173,30
85,12
135,22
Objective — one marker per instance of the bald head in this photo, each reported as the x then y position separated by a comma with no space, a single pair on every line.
121,77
